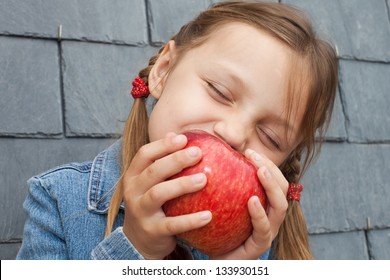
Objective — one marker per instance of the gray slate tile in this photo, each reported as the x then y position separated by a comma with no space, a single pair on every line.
346,185
8,251
97,82
120,21
275,1
29,87
167,16
379,244
340,246
359,28
365,88
336,130
24,158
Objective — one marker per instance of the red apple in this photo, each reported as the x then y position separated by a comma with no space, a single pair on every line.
231,181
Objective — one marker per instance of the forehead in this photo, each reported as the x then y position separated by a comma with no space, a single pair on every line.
230,37
246,49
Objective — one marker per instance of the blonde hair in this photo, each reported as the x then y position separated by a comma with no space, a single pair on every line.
315,71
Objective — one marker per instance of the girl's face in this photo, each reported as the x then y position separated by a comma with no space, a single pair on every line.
233,86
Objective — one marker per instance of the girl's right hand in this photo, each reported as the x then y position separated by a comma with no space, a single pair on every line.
146,190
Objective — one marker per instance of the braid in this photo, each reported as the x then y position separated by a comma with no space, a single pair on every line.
292,240
135,135
179,252
291,168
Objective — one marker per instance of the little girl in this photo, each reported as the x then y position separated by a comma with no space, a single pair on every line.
252,74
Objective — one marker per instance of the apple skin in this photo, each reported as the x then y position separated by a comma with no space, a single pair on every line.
231,181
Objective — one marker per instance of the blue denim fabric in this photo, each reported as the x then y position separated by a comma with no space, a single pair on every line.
66,213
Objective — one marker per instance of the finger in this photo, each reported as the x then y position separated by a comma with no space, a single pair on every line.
180,224
277,202
155,197
153,151
167,166
260,160
260,221
260,239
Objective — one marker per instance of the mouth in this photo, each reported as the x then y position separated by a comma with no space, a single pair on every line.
201,131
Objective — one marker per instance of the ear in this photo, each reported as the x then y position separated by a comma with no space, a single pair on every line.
160,69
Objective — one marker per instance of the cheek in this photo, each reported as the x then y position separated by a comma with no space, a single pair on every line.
168,115
159,123
276,157
278,161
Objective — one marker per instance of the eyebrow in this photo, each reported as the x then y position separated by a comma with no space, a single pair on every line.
283,122
232,74
291,132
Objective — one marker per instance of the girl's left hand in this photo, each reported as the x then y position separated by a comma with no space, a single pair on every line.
266,223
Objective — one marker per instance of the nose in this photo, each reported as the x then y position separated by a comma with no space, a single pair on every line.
234,132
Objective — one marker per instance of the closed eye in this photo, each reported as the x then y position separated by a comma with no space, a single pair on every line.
217,94
269,139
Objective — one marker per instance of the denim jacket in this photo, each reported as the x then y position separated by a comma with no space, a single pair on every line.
67,209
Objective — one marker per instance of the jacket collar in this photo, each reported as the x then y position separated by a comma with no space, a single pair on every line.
105,173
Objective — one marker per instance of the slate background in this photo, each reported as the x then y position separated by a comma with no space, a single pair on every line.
64,98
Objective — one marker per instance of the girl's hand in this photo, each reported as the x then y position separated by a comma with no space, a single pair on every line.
265,223
146,190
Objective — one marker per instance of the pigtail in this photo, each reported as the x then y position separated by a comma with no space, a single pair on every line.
292,241
135,135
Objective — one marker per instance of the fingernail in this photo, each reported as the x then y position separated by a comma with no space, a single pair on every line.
193,151
249,152
198,178
256,156
205,215
179,139
256,203
265,172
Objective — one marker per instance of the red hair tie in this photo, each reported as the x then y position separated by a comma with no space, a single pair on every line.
294,191
140,89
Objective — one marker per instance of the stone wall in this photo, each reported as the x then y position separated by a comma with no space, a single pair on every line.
65,71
